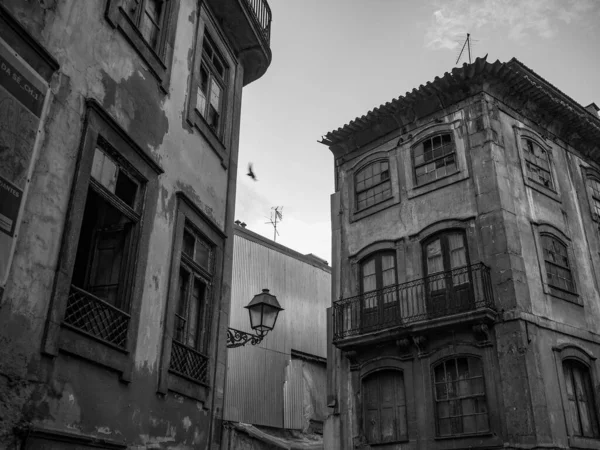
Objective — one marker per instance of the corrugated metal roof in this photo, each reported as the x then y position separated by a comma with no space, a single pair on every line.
514,75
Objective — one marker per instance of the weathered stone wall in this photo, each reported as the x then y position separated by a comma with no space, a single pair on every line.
501,216
67,393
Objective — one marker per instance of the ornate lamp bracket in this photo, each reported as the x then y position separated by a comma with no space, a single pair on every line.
238,338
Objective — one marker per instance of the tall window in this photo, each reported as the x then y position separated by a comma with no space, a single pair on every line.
582,408
373,184
460,402
190,334
448,277
537,163
196,263
384,410
434,158
556,260
594,186
147,15
105,252
212,84
378,272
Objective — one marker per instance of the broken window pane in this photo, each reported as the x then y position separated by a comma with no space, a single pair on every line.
104,170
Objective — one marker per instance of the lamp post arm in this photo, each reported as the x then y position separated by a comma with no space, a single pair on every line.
238,338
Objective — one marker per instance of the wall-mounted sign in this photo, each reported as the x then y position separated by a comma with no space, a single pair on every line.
22,96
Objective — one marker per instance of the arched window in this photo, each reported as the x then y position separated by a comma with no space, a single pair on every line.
459,395
379,299
556,260
434,158
594,186
537,163
582,407
373,184
384,407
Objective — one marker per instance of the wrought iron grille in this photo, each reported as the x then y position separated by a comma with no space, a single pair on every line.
94,316
439,295
188,362
261,12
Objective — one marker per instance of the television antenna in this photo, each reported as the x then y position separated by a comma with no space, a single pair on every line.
276,215
468,43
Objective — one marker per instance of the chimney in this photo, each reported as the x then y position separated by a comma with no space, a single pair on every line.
237,222
243,224
593,108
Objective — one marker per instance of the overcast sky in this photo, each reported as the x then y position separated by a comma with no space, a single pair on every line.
334,60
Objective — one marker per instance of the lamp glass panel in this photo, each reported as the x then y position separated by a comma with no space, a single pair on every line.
255,316
269,317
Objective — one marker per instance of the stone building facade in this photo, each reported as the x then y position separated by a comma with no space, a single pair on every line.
119,125
466,262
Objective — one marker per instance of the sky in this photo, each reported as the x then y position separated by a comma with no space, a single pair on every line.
335,60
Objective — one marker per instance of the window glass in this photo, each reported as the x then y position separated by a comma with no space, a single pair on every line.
537,163
104,170
460,397
581,407
211,84
595,194
434,158
556,261
372,184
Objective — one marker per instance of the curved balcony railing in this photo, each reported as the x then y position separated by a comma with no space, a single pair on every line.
261,13
443,294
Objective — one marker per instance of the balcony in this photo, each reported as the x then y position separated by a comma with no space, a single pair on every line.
247,24
96,317
441,300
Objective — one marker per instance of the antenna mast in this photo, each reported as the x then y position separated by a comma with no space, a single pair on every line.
276,215
468,45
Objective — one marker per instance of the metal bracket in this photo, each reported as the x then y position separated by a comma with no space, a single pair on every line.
238,338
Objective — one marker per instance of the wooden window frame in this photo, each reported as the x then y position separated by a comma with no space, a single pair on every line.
189,215
546,229
454,128
548,263
456,357
381,182
450,285
158,58
381,299
593,194
421,144
569,351
522,135
219,140
530,146
372,375
100,125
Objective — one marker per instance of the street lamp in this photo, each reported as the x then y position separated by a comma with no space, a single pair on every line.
263,310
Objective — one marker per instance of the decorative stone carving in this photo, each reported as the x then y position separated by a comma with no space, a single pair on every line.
421,344
353,359
403,346
482,333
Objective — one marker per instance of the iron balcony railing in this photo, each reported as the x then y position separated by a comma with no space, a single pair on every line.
96,317
261,13
185,360
439,295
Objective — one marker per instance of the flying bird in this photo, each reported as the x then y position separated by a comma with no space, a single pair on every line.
250,172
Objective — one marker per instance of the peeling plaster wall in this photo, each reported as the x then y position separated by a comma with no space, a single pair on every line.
68,393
